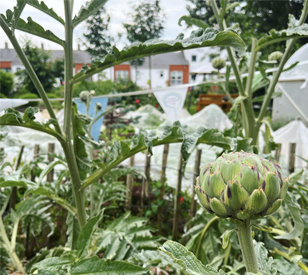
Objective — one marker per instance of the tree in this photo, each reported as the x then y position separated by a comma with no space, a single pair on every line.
42,66
255,18
98,38
6,83
147,24
58,69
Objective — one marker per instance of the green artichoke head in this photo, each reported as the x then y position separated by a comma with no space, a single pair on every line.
275,56
218,63
241,186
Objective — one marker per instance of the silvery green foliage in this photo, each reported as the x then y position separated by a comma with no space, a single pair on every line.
241,186
130,232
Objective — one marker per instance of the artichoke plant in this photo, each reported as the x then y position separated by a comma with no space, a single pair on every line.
242,186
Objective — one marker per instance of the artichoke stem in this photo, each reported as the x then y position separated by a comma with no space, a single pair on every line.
248,252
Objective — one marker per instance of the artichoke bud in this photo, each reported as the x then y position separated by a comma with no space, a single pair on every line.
241,186
218,63
275,56
84,96
99,106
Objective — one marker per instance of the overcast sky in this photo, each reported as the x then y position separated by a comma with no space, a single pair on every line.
118,9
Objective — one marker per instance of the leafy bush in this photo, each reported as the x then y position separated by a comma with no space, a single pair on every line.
6,83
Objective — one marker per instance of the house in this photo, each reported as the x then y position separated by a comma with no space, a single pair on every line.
10,62
167,69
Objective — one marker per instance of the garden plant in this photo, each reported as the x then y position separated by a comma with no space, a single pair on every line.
86,184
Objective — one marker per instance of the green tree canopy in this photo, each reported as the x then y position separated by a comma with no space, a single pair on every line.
42,65
98,39
6,83
255,18
147,24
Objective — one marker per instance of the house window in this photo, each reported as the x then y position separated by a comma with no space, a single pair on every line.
121,74
18,69
161,73
193,58
176,78
8,70
137,74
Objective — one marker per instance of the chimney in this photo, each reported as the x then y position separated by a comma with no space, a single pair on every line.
42,46
78,46
6,45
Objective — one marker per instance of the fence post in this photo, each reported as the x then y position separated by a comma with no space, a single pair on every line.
13,196
162,188
129,185
278,152
177,201
35,156
292,149
146,181
1,154
51,150
196,174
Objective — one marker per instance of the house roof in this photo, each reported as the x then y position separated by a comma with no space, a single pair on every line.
9,55
80,57
162,61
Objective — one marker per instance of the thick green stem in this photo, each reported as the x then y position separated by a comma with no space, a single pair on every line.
247,109
68,115
30,71
248,252
9,248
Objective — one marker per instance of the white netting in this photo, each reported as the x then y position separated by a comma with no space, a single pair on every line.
294,132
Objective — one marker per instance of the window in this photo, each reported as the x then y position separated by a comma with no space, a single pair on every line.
8,70
176,78
121,74
138,74
161,73
193,58
18,69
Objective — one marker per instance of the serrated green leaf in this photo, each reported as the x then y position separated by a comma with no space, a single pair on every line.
94,265
286,268
198,38
73,231
90,8
261,98
53,264
265,263
295,176
237,101
232,6
18,183
119,151
34,28
45,191
85,235
203,135
185,258
298,221
42,7
17,12
192,21
245,145
14,118
48,168
226,238
278,36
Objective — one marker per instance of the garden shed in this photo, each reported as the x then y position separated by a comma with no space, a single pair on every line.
294,87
